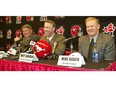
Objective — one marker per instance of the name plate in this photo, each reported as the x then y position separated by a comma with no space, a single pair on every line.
71,60
26,57
2,54
12,51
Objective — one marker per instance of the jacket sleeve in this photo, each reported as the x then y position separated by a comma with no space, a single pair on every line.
60,48
110,50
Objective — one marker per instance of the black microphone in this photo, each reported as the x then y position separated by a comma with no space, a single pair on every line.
19,40
30,45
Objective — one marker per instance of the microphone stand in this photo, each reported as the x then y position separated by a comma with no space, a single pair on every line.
18,53
67,39
53,51
53,55
29,50
19,48
16,56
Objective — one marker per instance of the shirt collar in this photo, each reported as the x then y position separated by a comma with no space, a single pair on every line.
95,38
50,38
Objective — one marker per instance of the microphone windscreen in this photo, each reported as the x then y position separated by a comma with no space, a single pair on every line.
32,43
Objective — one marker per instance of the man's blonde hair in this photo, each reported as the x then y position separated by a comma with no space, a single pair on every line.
27,26
92,18
51,22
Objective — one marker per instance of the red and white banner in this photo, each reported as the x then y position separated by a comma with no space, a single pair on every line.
29,18
8,19
76,31
18,34
43,18
60,30
9,33
40,32
110,28
7,47
18,19
59,17
1,34
1,20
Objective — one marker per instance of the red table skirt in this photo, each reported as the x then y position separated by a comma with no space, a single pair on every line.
111,67
10,65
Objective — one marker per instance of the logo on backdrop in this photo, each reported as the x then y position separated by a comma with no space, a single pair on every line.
9,33
1,34
18,34
40,32
18,19
110,28
59,17
1,20
43,18
76,31
29,18
60,30
8,19
7,47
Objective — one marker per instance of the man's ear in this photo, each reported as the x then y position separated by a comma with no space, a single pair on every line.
31,30
98,26
53,29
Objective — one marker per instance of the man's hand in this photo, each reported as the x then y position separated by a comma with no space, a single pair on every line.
16,39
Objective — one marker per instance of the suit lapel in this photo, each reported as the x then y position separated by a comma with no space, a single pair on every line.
53,39
45,38
87,44
99,42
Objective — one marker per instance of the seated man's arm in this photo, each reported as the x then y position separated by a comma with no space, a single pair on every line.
61,46
110,51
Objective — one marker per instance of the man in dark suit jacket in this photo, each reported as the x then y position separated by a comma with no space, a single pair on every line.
28,36
58,47
105,43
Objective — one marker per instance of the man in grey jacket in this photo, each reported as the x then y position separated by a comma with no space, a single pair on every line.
105,43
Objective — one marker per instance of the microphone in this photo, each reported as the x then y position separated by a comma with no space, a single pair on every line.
70,38
67,39
64,40
29,50
19,40
31,44
54,47
19,45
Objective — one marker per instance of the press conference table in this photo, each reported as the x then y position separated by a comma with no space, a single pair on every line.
53,63
89,65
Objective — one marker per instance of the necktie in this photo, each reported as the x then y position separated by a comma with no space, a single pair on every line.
90,49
